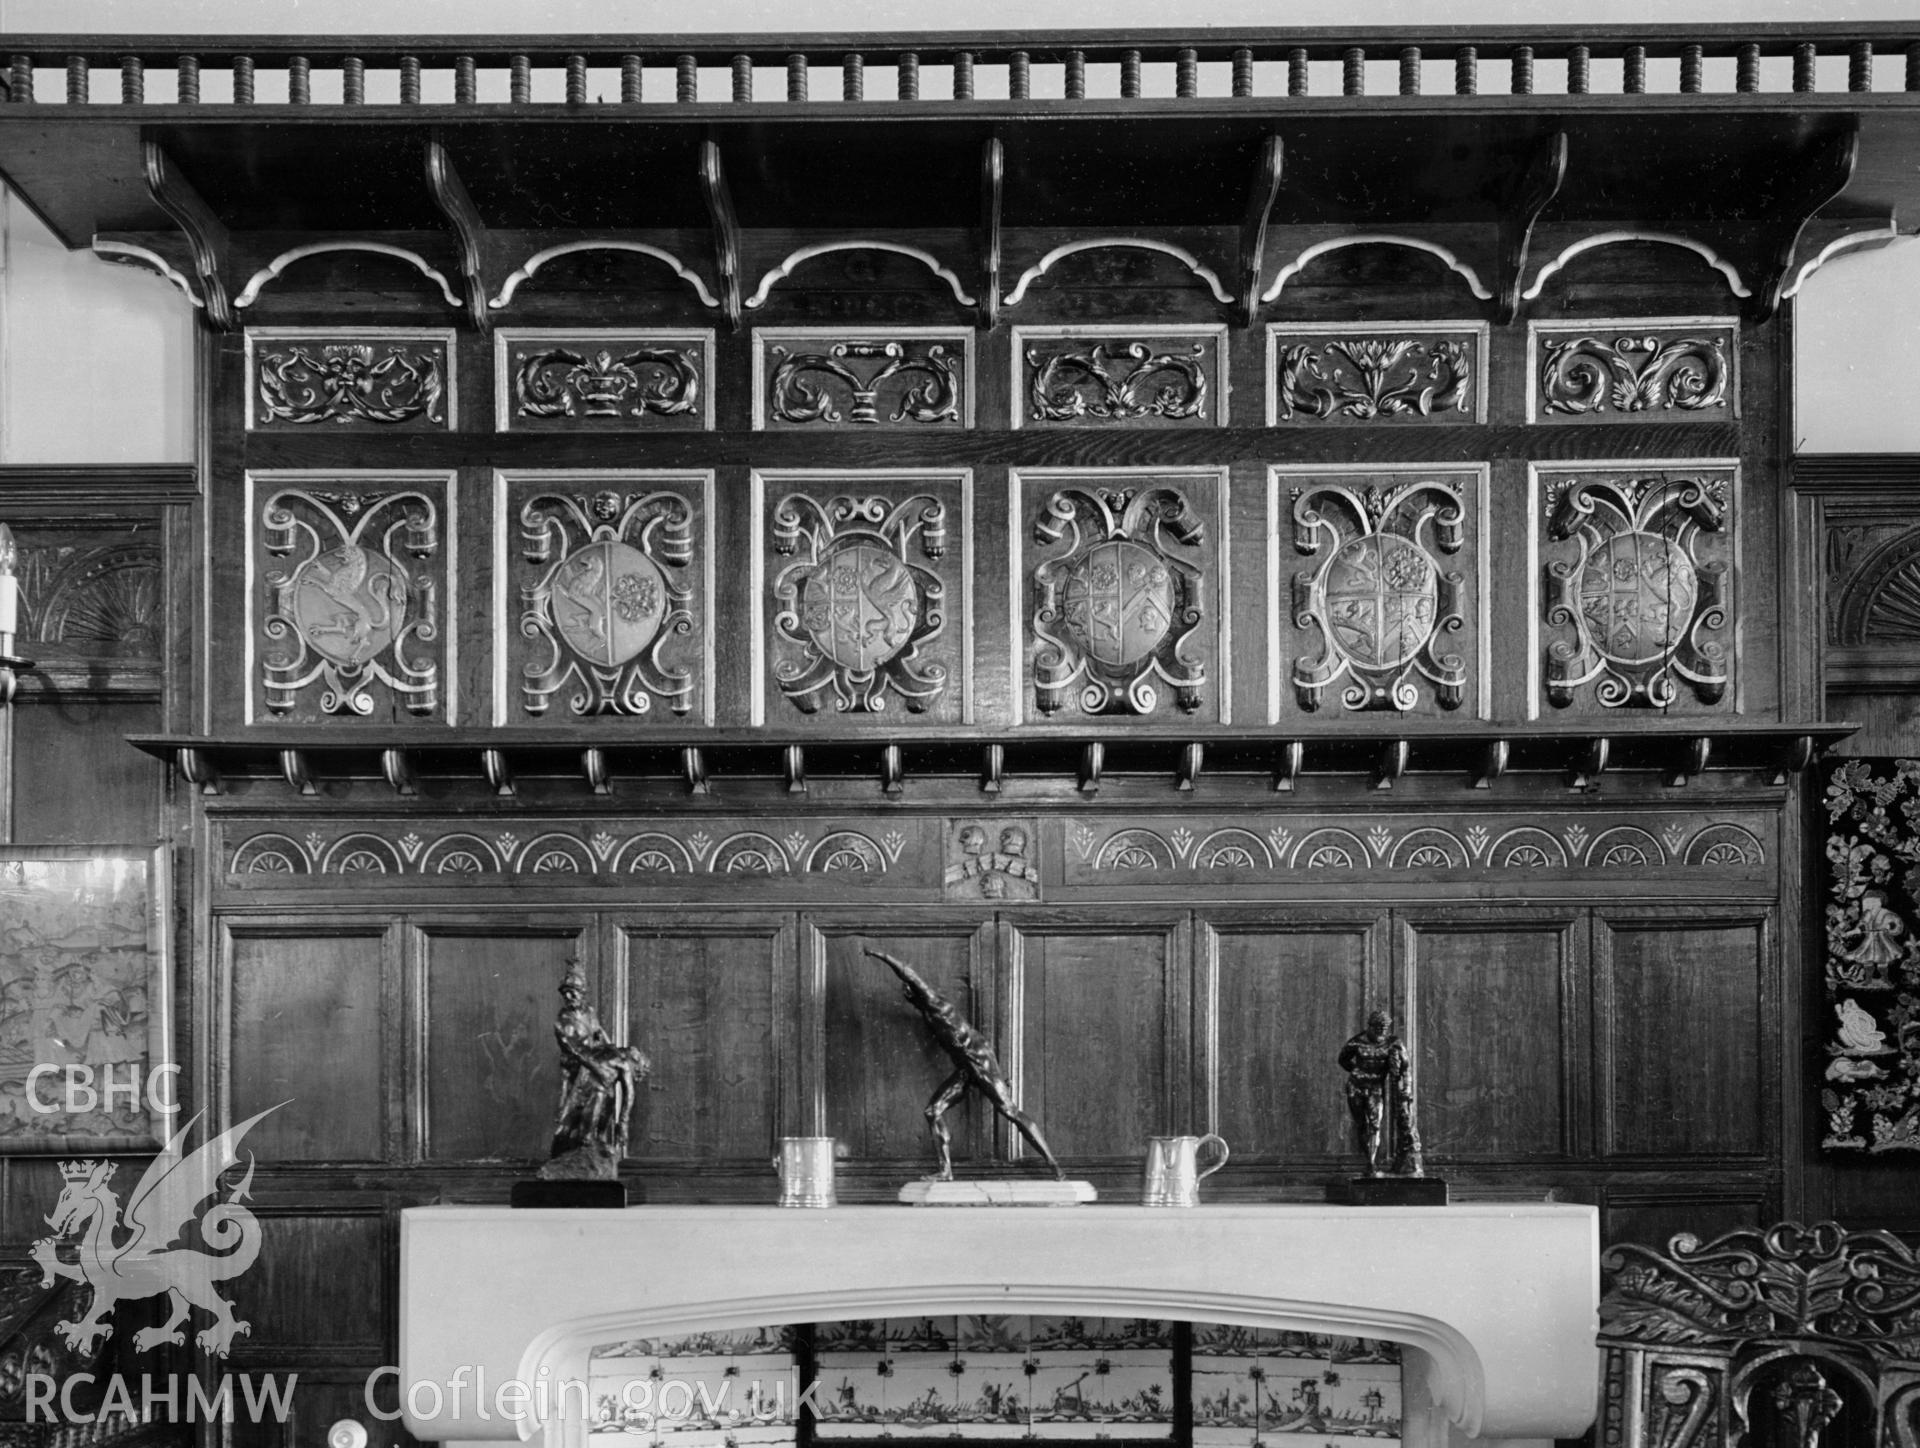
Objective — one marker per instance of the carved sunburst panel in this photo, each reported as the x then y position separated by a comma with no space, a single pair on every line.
1874,590
1612,370
602,379
91,592
1372,374
1119,377
862,379
351,379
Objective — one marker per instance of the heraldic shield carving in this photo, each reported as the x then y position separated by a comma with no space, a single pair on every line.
359,607
611,602
1116,610
1642,603
1380,599
853,610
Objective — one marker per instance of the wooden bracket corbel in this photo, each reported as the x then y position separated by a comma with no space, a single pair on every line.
1539,185
1589,764
206,234
1392,763
1253,226
693,769
397,766
726,230
295,770
197,768
893,771
1691,762
1493,763
1186,774
593,767
1824,174
450,195
1293,755
1797,757
993,765
793,768
993,171
493,764
1093,760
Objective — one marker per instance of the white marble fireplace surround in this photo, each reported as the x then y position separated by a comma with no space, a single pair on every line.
1496,1305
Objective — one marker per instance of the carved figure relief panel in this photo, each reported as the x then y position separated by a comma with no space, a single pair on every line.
865,607
583,379
1378,595
362,379
1373,373
1636,608
830,378
603,597
347,596
1119,588
1633,369
92,601
1130,377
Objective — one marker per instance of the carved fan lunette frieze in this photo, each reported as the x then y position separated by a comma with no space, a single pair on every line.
600,379
611,603
1636,586
1611,370
1391,372
354,600
345,377
856,606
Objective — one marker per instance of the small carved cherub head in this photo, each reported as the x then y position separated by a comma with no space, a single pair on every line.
606,506
1013,841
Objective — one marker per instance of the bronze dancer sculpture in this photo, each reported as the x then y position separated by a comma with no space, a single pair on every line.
974,1068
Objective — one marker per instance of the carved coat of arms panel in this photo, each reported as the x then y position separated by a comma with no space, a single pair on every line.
841,379
1636,605
1371,374
865,611
1634,369
350,379
604,599
1119,377
602,380
1379,599
348,595
1121,592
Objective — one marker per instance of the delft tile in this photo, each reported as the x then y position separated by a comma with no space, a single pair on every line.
854,1335
921,1334
994,1334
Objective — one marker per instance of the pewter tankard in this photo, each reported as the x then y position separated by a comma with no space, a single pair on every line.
805,1165
1173,1179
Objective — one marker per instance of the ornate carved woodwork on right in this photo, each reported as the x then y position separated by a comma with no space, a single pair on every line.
347,582
1389,608
602,380
863,585
1633,369
1871,561
355,378
1375,373
1637,605
604,595
1120,575
1119,377
816,378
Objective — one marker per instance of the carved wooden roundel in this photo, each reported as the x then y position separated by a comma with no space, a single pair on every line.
607,601
349,604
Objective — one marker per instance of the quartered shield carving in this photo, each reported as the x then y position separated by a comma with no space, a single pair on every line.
611,602
853,611
1116,610
1381,601
351,612
1644,608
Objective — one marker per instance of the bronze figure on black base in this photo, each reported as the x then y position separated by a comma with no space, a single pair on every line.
1380,1101
598,1077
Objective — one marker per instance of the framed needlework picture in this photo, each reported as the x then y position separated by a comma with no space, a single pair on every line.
86,1058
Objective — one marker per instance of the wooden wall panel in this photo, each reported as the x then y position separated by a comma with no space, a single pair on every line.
1282,998
319,1283
78,783
491,1068
305,1019
1681,997
706,1001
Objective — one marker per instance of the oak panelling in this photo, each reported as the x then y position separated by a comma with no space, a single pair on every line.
1653,1216
321,1399
319,1282
710,1000
1496,1041
1679,996
875,1064
303,1010
489,1069
76,781
1275,997
1104,1005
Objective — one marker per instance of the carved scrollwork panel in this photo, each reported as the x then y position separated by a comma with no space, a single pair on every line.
585,379
866,610
1388,604
816,378
1637,577
1119,377
355,378
347,596
1624,370
1123,577
1375,373
609,607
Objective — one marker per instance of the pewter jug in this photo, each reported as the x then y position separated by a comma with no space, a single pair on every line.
1173,1178
805,1164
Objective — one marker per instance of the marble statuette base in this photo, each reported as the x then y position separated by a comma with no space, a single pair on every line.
997,1192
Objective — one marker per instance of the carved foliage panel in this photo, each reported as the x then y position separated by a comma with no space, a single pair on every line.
604,598
1373,373
1384,605
1634,369
361,379
818,379
865,613
602,380
348,592
1121,582
1119,377
1637,605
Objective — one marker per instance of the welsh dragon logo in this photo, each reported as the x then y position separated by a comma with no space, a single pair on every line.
133,1251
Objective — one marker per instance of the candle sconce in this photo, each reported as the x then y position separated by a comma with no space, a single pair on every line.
12,665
